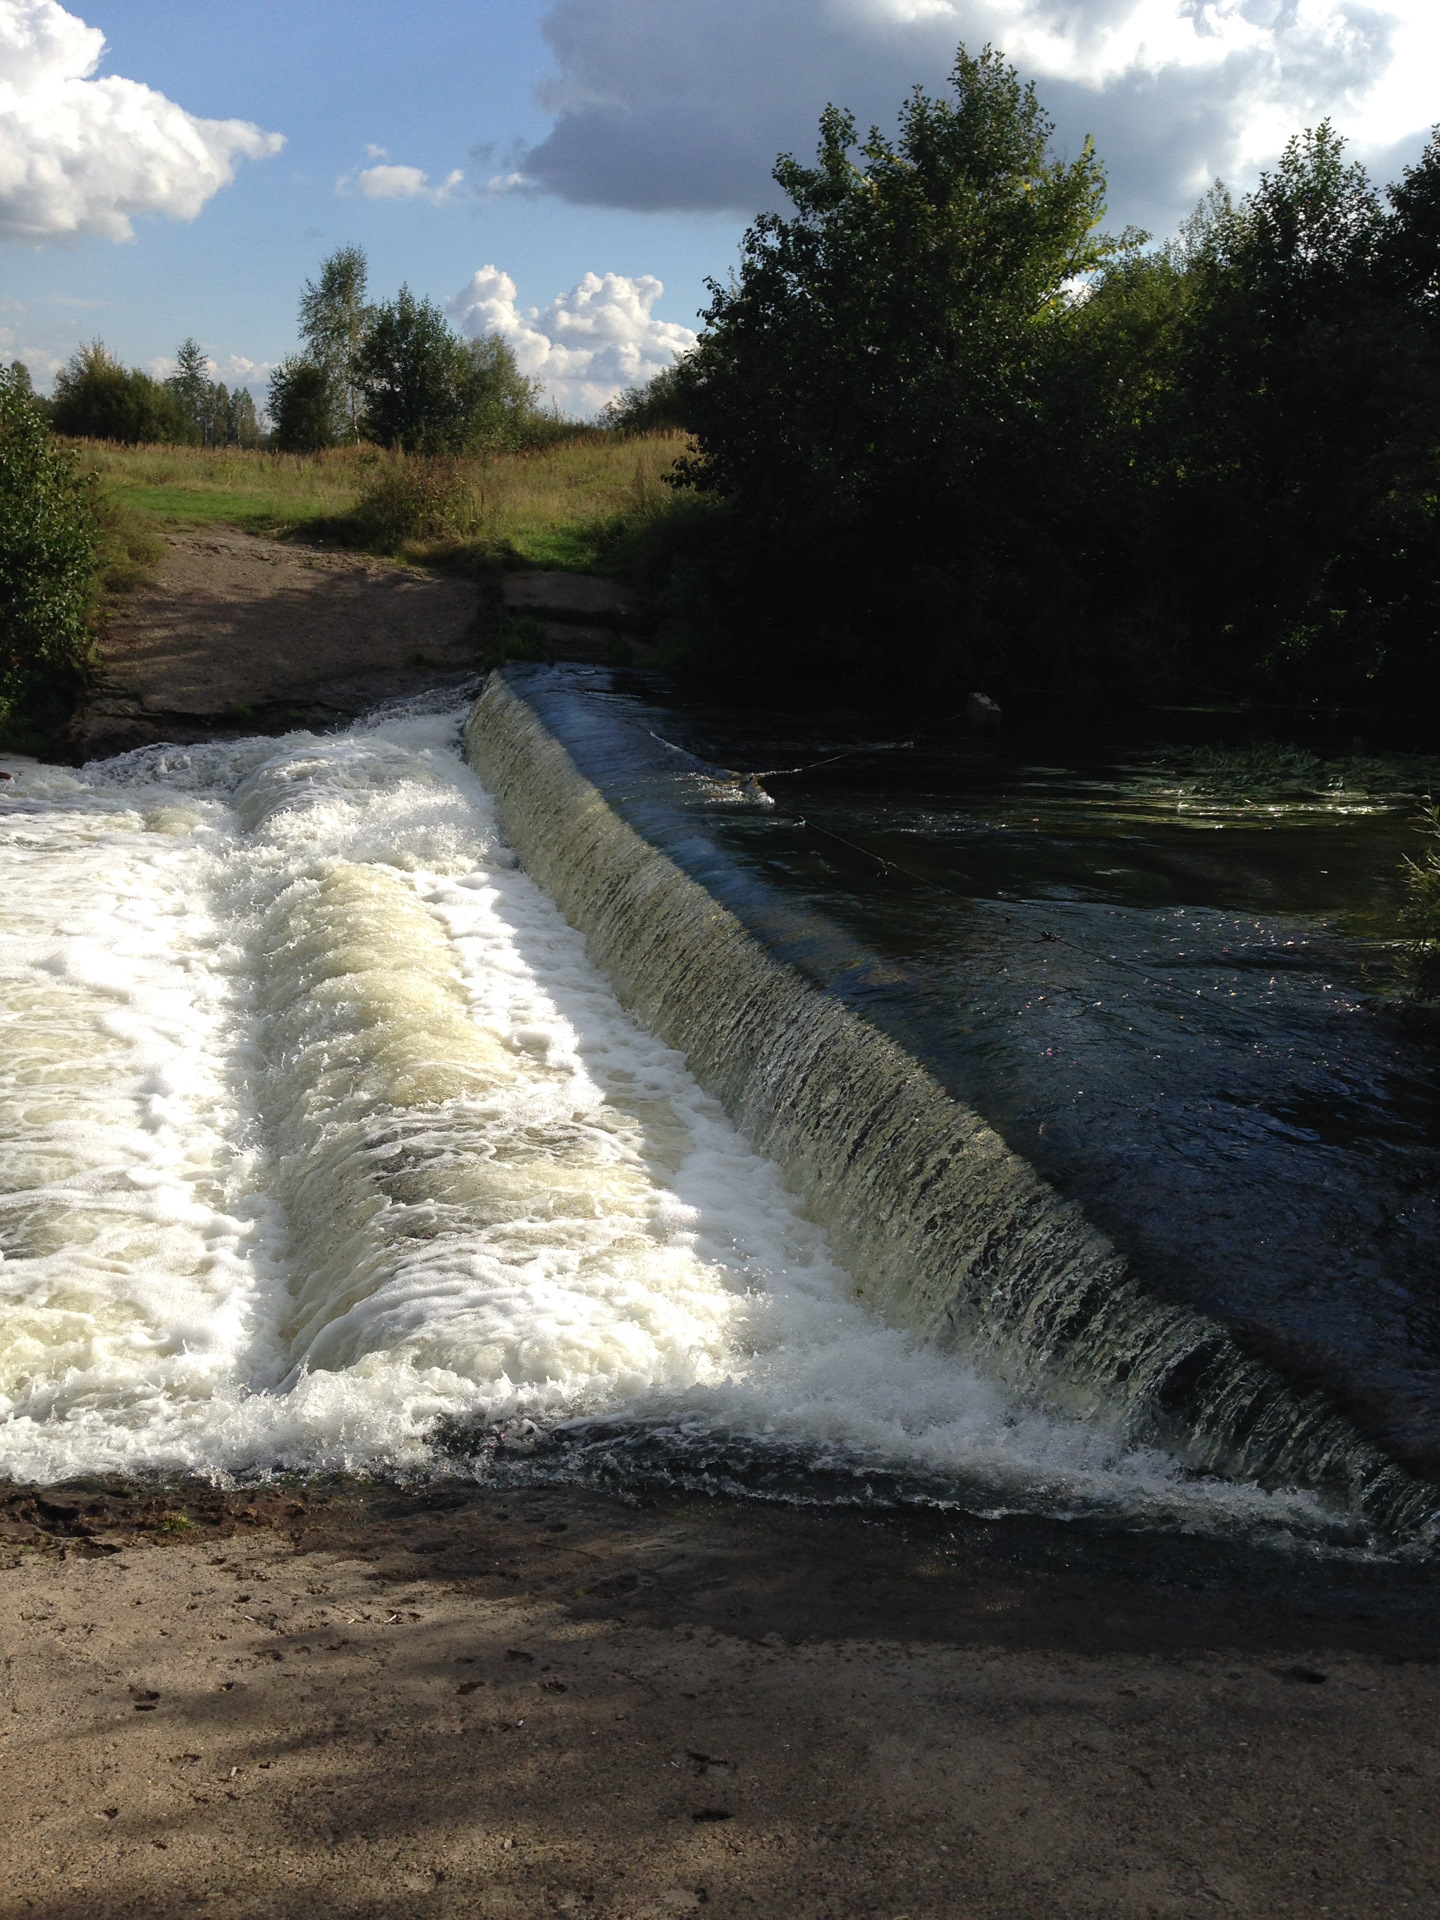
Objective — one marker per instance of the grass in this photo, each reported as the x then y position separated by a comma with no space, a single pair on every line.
570,505
262,492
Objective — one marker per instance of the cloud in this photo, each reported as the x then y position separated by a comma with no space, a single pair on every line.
586,345
81,156
398,183
660,104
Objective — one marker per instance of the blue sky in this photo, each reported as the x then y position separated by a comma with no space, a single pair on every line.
629,138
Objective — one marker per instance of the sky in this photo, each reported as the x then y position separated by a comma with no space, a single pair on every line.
568,172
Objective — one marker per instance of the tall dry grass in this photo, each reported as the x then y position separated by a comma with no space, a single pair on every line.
563,505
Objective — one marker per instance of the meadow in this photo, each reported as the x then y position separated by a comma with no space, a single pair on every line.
565,505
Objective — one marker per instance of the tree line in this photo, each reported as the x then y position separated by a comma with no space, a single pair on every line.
960,436
96,398
393,374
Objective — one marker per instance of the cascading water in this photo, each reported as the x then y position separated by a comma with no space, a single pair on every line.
955,1236
324,1142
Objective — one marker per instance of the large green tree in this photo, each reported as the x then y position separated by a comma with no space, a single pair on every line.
881,345
868,395
1273,385
428,391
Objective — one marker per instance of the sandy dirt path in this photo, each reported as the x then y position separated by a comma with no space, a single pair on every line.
367,1703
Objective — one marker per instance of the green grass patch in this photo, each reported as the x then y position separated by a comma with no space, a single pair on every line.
176,504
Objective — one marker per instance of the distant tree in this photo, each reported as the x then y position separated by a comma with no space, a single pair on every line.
499,402
242,424
48,563
302,406
334,317
650,408
98,399
417,378
194,391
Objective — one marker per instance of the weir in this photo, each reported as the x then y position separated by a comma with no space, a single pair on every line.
947,1232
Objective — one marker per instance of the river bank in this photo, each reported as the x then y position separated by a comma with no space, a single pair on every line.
463,1700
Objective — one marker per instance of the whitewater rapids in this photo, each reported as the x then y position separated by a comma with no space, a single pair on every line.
320,1134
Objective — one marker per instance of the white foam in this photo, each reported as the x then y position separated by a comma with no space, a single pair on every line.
319,1126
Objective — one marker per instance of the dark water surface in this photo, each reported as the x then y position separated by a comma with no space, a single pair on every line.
1172,989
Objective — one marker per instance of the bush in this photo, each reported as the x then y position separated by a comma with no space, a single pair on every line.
49,562
415,498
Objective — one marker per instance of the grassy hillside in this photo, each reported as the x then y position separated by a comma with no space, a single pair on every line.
560,506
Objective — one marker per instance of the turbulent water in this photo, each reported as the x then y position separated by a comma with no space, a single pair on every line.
324,1143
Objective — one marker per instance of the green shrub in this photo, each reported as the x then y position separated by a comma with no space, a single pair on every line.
418,498
49,562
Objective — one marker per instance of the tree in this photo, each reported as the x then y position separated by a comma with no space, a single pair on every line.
333,322
48,563
302,406
651,408
417,378
882,345
870,390
196,395
242,426
499,402
98,399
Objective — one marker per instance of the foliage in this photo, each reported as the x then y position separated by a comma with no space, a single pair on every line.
303,404
420,498
334,319
428,391
193,391
656,407
213,416
960,439
48,566
873,379
98,399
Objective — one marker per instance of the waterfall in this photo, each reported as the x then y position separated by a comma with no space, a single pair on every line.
945,1231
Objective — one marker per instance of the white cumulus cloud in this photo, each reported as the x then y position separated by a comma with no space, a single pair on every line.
83,156
588,344
659,105
399,183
